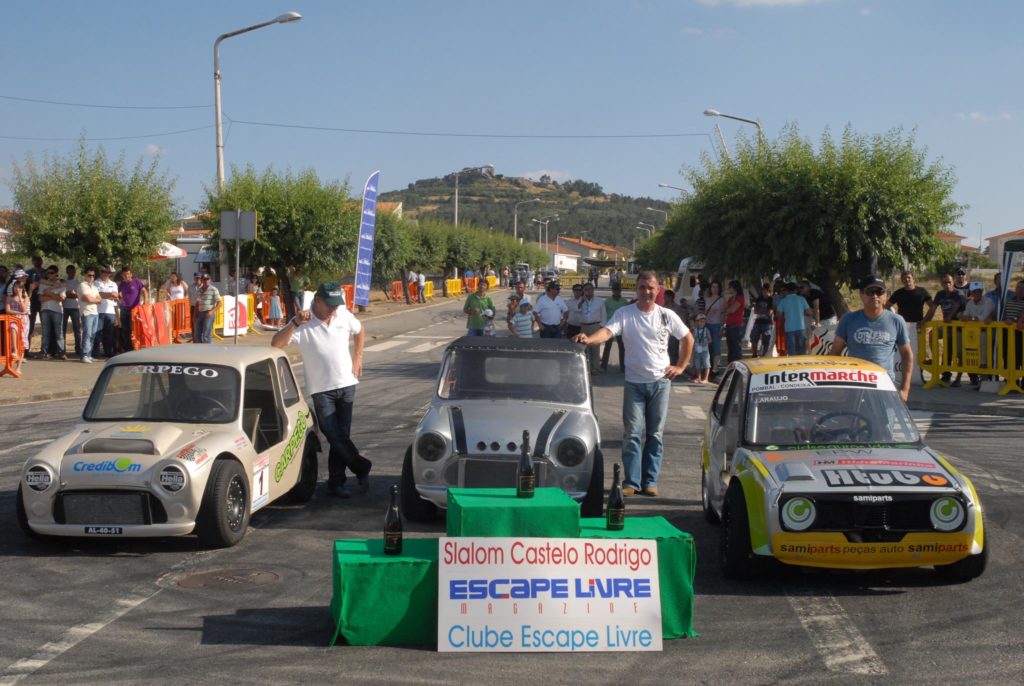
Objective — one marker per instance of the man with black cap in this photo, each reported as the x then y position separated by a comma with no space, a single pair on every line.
332,373
876,334
961,284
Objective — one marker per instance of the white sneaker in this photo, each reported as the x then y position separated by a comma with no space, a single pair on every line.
88,360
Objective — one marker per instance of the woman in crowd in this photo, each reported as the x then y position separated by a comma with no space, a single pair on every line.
715,310
175,288
735,305
18,305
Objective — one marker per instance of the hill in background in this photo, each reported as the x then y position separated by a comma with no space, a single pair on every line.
488,202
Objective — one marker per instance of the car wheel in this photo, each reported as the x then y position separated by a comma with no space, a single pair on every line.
23,519
971,567
734,554
224,513
304,488
705,499
593,501
415,508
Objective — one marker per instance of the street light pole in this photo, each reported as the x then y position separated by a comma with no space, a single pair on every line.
485,169
285,18
651,227
760,129
515,216
655,209
681,190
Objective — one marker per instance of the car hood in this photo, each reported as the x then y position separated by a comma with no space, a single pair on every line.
501,424
111,453
835,469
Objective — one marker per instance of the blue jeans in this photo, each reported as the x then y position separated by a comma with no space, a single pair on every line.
104,335
334,414
53,341
644,411
89,323
760,336
204,326
550,331
715,344
796,343
73,313
474,332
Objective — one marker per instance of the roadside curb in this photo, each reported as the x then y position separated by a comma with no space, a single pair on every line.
998,410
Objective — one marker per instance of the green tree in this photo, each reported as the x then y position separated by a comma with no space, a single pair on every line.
303,223
783,206
91,210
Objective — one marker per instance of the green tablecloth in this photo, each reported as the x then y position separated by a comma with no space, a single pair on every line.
385,599
677,561
496,512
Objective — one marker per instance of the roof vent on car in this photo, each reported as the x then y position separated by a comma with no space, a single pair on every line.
120,445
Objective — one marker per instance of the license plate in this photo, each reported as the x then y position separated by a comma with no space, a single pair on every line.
104,530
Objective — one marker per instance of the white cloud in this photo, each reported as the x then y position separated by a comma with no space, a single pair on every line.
865,11
555,174
982,118
760,3
153,149
693,31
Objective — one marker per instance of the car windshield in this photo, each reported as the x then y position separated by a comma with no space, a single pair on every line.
828,415
165,393
520,375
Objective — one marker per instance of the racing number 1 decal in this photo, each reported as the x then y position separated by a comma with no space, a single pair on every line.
260,482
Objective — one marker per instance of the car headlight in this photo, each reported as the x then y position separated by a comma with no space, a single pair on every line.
172,478
431,447
38,478
798,513
947,514
571,452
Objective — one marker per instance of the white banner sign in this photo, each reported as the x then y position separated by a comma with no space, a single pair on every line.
234,315
547,595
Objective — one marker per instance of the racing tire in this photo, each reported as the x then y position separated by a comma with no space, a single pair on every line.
735,555
224,512
23,519
309,472
705,499
414,508
971,567
592,504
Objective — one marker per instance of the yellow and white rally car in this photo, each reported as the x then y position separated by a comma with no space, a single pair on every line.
176,440
816,461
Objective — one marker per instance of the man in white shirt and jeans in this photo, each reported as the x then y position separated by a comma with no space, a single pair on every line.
645,328
332,373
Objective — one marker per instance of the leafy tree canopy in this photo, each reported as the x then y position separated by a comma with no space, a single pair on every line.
91,210
782,206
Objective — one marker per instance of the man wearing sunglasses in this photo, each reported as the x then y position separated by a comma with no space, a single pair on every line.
876,334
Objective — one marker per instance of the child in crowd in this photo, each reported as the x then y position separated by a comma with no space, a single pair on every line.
276,315
701,349
18,306
488,316
523,321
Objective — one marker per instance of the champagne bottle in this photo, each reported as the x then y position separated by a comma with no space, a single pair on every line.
526,477
616,514
393,526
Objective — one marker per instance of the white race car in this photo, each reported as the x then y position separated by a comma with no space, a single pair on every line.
176,440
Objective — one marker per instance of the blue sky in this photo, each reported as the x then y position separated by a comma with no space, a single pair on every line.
540,71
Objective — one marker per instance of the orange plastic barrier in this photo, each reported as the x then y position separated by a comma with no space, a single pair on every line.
142,327
181,321
11,352
350,295
396,290
414,291
161,334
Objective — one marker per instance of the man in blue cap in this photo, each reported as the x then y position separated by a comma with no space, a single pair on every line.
332,373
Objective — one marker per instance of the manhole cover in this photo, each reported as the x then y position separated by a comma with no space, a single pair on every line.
229,578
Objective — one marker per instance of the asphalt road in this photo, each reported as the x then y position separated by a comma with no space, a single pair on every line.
127,612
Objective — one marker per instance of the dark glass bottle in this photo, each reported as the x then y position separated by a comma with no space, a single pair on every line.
526,477
616,514
393,526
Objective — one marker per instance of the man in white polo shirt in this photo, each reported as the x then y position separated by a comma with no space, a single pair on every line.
331,377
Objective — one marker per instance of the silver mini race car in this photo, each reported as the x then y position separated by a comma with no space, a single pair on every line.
175,440
489,391
815,461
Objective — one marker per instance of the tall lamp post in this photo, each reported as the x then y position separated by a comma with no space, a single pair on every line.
760,129
515,216
487,169
285,18
649,226
681,190
542,226
655,209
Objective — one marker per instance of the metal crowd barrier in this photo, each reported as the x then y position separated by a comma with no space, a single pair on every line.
972,348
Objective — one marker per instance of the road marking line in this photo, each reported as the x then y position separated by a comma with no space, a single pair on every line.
429,338
841,645
691,412
682,389
386,345
427,347
24,445
70,638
